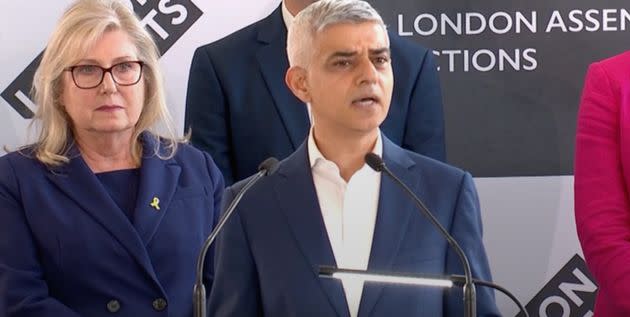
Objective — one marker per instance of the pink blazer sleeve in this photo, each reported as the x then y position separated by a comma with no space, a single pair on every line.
602,210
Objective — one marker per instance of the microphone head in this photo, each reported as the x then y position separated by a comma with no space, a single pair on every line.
375,162
270,165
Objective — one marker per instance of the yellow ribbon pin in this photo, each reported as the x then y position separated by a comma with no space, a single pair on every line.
155,203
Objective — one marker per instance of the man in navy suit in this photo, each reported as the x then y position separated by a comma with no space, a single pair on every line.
241,111
325,206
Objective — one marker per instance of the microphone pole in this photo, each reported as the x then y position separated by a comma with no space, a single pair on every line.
267,167
470,300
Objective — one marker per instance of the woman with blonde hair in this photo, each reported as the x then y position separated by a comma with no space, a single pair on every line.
103,214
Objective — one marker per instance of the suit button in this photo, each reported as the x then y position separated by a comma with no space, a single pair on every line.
113,306
159,304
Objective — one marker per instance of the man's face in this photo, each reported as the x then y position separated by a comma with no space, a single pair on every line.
349,80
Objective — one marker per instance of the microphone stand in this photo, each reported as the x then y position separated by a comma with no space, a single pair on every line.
267,167
470,296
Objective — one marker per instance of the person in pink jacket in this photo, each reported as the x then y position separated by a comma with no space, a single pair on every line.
602,181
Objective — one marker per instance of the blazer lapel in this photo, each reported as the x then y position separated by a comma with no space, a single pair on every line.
392,220
158,181
273,62
297,198
79,183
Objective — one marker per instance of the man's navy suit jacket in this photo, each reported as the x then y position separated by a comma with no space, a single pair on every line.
268,254
241,111
67,249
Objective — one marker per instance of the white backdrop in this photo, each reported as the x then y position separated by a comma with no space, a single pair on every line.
529,224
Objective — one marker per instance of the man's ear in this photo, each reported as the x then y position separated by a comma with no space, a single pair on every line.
296,79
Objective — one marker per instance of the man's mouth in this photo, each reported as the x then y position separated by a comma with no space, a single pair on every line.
365,101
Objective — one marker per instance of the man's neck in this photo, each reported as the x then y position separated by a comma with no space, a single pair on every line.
347,151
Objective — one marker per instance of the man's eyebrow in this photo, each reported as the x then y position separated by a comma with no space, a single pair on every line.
375,51
343,54
380,51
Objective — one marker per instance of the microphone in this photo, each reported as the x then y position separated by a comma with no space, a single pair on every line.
470,301
267,167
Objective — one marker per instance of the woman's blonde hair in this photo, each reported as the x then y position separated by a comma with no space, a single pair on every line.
80,27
